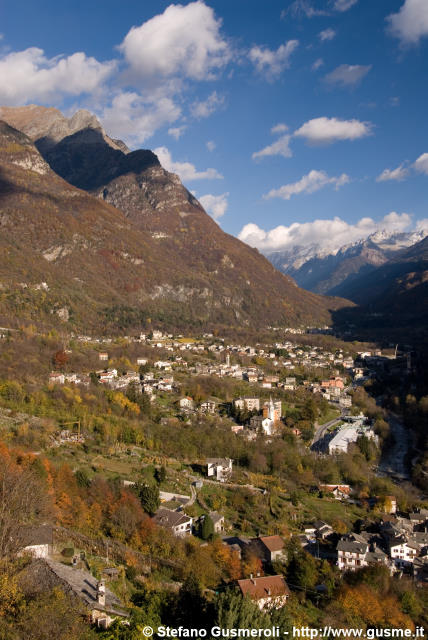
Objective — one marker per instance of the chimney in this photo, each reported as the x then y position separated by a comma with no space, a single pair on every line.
252,579
101,593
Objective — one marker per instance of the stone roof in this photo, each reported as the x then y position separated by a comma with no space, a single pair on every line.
352,546
168,518
44,574
264,587
216,517
36,535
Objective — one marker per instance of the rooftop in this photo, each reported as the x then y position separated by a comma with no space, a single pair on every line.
264,587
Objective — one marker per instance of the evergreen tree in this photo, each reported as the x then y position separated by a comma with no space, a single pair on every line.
149,497
207,528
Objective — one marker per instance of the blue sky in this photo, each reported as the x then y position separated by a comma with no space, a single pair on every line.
277,115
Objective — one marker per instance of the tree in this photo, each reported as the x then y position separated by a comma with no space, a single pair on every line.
160,475
232,611
23,499
60,358
191,604
207,528
149,497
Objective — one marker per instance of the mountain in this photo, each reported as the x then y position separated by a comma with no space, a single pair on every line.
69,254
393,296
332,271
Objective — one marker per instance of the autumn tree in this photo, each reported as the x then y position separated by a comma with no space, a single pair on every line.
23,501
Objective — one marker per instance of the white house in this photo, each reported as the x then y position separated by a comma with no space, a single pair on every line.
219,468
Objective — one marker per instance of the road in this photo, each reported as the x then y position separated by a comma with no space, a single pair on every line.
322,429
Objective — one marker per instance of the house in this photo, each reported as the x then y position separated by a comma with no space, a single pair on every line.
402,551
208,407
36,540
351,553
237,428
319,530
340,491
218,521
345,402
268,592
219,468
176,521
273,548
102,605
141,361
56,378
247,404
103,356
186,403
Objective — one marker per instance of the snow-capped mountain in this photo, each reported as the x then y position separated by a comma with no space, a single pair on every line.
330,270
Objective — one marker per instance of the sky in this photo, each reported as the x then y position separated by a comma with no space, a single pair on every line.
293,121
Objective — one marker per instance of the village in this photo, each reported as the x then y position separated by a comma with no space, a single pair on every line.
292,394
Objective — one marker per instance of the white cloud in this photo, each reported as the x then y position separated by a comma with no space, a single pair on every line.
30,76
134,118
344,5
216,206
400,173
327,34
186,170
177,132
421,164
204,108
317,64
320,131
211,145
347,75
272,63
305,8
328,234
278,148
184,40
279,128
410,24
311,182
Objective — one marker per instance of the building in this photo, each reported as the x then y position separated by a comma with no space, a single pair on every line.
273,548
208,407
339,491
268,592
351,553
270,418
186,403
275,406
247,404
348,435
176,521
219,468
36,540
102,605
103,356
403,551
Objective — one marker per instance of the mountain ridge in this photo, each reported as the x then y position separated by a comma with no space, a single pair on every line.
173,265
329,271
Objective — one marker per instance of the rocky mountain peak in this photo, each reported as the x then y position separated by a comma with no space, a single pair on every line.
47,126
